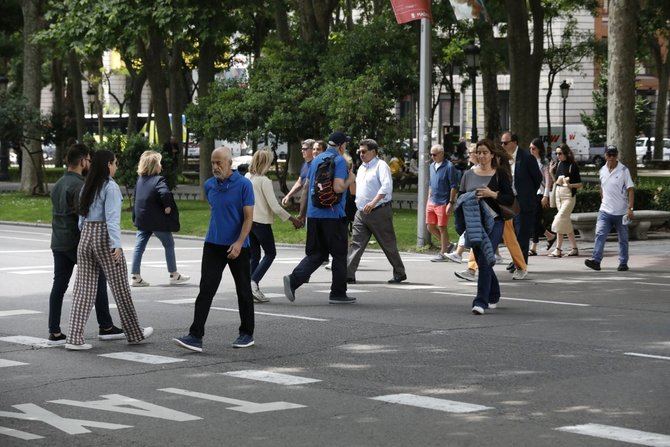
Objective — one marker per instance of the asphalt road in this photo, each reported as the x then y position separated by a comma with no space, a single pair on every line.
571,357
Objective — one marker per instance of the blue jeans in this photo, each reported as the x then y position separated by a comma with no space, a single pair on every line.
64,262
488,289
261,237
603,227
141,244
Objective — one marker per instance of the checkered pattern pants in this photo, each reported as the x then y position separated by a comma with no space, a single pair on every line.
93,254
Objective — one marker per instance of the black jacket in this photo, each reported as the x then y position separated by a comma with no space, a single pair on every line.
152,196
527,180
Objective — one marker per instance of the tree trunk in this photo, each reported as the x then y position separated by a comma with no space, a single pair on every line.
152,57
74,76
137,80
663,73
32,172
621,46
315,18
349,15
525,67
281,21
206,72
294,160
547,105
58,112
489,68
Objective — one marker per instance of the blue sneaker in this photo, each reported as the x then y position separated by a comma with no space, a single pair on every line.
189,342
243,341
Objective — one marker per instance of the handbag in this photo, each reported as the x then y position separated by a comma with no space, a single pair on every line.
552,198
509,211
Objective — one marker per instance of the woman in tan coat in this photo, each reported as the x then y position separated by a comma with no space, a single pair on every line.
565,174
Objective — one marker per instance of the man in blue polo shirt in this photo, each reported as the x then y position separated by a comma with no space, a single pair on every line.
231,198
326,227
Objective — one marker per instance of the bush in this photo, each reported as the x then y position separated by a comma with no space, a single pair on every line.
662,198
646,198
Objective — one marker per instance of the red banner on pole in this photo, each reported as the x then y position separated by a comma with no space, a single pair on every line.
409,10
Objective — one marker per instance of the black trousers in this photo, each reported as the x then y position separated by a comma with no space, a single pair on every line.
64,262
324,237
214,261
524,226
540,224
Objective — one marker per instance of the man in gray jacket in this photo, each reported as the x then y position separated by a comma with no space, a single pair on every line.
64,242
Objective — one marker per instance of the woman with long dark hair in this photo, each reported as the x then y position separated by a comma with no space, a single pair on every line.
100,249
537,151
565,174
491,183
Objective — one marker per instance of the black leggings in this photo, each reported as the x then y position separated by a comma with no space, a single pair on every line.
540,223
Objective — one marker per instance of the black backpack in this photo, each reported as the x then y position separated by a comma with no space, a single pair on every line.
323,193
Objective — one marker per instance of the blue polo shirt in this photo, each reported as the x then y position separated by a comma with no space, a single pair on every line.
442,181
341,171
227,198
304,170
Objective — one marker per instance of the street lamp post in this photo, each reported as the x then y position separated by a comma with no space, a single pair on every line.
472,61
565,91
4,146
91,93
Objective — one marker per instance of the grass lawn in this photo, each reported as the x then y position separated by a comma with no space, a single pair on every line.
194,216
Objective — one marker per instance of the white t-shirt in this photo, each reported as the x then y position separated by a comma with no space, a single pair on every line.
614,186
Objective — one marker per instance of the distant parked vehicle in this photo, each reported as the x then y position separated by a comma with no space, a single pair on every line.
644,149
577,137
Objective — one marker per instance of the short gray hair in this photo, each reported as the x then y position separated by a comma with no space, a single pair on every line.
370,144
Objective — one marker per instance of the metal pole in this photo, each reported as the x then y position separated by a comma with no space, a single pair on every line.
473,78
424,137
565,100
4,145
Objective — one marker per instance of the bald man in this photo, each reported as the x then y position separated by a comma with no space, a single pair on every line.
231,198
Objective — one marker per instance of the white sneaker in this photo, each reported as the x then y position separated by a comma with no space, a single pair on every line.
439,258
178,279
467,275
81,347
139,282
147,331
259,297
454,257
478,310
499,259
493,305
329,266
519,274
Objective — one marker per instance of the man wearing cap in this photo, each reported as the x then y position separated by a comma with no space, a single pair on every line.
374,216
326,227
617,195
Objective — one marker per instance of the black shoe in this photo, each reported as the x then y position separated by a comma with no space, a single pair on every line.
511,267
288,290
550,243
622,268
397,279
114,333
342,300
351,280
57,339
595,265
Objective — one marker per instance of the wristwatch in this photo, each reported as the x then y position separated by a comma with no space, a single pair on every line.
630,209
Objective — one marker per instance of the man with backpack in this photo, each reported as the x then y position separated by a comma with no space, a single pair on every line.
327,184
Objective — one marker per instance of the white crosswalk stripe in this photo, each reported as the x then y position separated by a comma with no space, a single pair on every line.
272,377
142,358
4,363
432,403
619,434
16,312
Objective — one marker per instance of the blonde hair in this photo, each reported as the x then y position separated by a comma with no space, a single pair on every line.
150,163
261,162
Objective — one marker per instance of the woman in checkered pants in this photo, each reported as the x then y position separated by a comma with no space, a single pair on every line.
100,248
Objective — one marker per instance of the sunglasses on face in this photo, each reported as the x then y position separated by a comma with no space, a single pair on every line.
559,153
505,143
434,155
305,148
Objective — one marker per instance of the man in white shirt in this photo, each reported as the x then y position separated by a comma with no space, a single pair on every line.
617,194
374,217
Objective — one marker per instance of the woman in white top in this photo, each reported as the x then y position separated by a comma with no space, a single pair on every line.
265,209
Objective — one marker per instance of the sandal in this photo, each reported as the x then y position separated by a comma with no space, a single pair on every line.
573,252
557,253
532,253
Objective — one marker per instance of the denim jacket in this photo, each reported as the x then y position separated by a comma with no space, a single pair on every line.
106,207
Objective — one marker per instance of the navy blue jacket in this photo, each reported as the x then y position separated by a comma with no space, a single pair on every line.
152,196
476,222
527,180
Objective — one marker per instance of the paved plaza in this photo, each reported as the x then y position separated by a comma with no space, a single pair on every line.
571,357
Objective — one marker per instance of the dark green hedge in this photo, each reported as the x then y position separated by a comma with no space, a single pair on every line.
646,198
